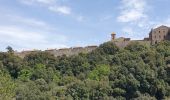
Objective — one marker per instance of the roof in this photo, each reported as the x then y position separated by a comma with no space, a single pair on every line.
113,33
162,26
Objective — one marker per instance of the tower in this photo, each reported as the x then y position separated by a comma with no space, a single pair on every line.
113,36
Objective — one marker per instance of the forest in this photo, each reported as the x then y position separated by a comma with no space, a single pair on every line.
136,72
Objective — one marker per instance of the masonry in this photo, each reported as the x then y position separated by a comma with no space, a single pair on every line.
155,36
60,52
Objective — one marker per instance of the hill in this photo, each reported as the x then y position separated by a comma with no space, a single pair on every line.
136,72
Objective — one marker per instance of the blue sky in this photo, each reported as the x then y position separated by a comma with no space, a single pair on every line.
47,24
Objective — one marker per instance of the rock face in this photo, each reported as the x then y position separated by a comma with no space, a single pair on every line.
60,52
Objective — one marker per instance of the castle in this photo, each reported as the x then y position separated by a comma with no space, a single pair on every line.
155,36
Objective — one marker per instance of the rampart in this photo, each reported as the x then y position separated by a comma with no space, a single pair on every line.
60,52
156,35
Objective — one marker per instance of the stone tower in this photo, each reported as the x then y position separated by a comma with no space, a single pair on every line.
113,35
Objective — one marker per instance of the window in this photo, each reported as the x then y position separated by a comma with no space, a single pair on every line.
159,36
156,42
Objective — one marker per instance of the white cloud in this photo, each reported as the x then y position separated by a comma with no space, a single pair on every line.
60,9
31,2
132,10
46,1
23,21
134,14
132,33
52,5
28,33
165,22
29,39
28,21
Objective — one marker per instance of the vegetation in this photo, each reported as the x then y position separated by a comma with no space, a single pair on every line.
136,72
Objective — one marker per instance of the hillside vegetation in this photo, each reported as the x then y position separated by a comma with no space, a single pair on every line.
136,72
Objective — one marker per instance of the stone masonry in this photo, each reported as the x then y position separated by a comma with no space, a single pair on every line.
155,36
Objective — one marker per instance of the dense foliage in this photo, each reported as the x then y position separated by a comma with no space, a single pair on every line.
136,72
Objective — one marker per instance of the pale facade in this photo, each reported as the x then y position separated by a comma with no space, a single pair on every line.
159,34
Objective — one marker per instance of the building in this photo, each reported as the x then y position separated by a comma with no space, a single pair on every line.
155,36
159,34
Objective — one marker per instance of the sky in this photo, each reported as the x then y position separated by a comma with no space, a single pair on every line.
50,24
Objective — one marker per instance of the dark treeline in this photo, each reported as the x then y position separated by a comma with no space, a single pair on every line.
136,72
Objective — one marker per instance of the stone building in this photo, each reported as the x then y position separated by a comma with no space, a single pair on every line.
155,36
159,34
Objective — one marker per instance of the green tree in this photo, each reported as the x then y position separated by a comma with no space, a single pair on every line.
10,50
7,87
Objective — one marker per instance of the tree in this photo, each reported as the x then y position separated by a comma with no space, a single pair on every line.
108,48
99,71
7,87
78,91
10,50
12,63
137,47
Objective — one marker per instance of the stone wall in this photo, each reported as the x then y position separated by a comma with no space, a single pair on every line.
60,52
155,36
123,42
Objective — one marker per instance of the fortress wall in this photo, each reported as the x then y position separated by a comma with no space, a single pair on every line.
90,48
60,52
123,44
143,42
24,53
76,50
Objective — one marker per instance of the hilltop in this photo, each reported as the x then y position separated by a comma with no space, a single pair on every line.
156,35
136,72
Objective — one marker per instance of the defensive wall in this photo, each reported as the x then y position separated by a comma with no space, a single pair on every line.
60,52
156,35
